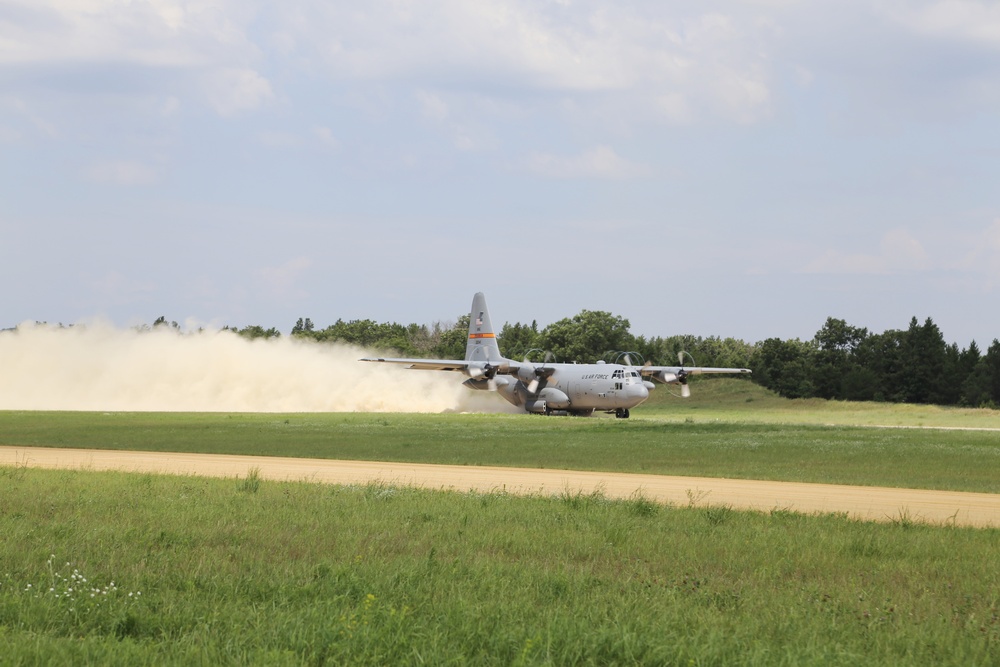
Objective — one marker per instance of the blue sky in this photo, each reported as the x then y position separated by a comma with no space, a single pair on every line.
739,169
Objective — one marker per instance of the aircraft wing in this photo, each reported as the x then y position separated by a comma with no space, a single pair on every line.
667,374
424,364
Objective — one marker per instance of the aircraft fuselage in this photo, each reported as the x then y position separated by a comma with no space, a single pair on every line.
573,388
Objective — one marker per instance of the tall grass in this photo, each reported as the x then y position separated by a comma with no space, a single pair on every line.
307,574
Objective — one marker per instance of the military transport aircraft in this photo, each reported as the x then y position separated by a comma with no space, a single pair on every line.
576,389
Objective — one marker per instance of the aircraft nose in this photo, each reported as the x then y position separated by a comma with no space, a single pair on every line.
638,391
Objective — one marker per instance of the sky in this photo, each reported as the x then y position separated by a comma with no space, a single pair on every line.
719,168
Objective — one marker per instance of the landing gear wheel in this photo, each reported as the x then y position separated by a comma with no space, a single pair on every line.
621,413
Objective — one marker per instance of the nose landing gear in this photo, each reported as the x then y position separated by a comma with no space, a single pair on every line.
621,413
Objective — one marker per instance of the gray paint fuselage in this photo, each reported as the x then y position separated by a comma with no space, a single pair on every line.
575,387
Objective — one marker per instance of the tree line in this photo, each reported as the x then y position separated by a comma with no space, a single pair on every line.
912,365
842,362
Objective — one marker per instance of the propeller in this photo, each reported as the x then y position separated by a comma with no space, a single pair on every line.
526,374
682,375
531,375
486,370
533,382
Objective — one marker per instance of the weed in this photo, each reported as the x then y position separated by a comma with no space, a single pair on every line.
579,500
17,471
783,512
695,496
639,505
69,602
903,519
718,514
379,490
251,483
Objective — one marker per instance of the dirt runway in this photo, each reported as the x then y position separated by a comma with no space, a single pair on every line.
863,502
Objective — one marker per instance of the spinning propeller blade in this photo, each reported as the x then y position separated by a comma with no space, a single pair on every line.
682,375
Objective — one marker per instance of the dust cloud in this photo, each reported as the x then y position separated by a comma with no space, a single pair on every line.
100,367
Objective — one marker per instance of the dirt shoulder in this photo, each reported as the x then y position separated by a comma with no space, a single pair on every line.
862,502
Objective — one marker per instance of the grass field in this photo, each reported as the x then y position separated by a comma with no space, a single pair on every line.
713,436
142,569
167,570
726,399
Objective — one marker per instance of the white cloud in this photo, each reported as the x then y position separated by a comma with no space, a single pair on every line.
661,56
325,137
902,251
964,20
675,61
120,172
21,110
280,140
316,137
157,33
983,259
601,162
991,236
898,252
181,43
170,106
432,106
230,91
467,134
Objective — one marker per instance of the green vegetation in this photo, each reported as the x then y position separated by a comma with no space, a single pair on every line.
914,365
186,570
727,429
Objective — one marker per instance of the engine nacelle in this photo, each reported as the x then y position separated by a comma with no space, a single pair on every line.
535,406
477,383
553,398
666,377
512,391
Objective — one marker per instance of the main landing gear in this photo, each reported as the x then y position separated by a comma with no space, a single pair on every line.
621,413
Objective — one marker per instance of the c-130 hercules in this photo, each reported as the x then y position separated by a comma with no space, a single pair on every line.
576,389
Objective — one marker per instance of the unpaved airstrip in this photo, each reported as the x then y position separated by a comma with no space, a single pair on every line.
861,502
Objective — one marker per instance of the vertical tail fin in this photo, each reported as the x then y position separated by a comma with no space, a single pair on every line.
482,344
